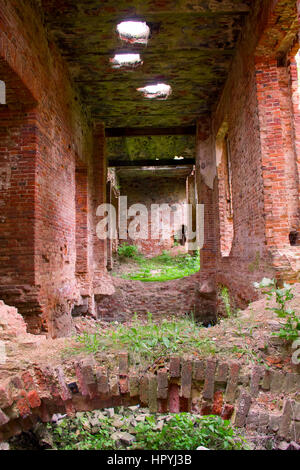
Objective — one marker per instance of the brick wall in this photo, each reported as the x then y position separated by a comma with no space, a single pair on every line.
45,131
258,108
205,386
157,190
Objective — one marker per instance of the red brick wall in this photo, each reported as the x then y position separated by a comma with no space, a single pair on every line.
82,261
256,105
41,145
17,189
225,199
155,190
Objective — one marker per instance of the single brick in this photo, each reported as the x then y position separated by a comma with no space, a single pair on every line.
114,386
102,381
243,408
256,376
252,420
199,370
86,378
186,378
222,373
152,403
295,431
296,411
232,383
162,382
277,381
263,422
291,383
266,382
209,384
174,368
287,414
134,386
144,384
274,422
174,399
123,363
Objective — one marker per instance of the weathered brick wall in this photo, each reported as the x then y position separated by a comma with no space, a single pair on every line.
157,190
256,108
207,386
191,295
44,131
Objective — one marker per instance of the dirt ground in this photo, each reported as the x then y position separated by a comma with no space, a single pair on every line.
246,337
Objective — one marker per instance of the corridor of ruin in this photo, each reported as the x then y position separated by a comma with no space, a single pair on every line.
149,175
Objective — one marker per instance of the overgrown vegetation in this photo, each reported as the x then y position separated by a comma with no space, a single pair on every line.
163,267
226,301
149,339
184,432
75,434
180,432
127,251
290,330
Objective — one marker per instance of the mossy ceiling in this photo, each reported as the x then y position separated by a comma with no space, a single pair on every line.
150,147
191,46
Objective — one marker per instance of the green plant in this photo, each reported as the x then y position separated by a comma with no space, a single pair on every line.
90,342
226,301
185,432
127,251
165,267
290,330
76,434
149,340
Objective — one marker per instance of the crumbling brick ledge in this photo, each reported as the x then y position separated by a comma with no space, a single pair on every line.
208,386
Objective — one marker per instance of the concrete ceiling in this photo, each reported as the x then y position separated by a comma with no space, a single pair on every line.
150,148
190,48
150,172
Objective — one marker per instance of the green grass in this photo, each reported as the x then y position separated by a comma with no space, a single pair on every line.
164,267
148,340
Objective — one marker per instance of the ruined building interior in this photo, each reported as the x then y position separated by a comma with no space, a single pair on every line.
164,102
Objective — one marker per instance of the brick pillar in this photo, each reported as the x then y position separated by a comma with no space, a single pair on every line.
99,170
82,259
205,177
18,160
279,167
192,199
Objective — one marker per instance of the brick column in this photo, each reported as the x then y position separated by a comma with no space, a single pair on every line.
280,173
205,170
82,259
99,170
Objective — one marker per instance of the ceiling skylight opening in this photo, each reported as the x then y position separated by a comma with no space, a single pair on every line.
136,32
126,60
161,91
